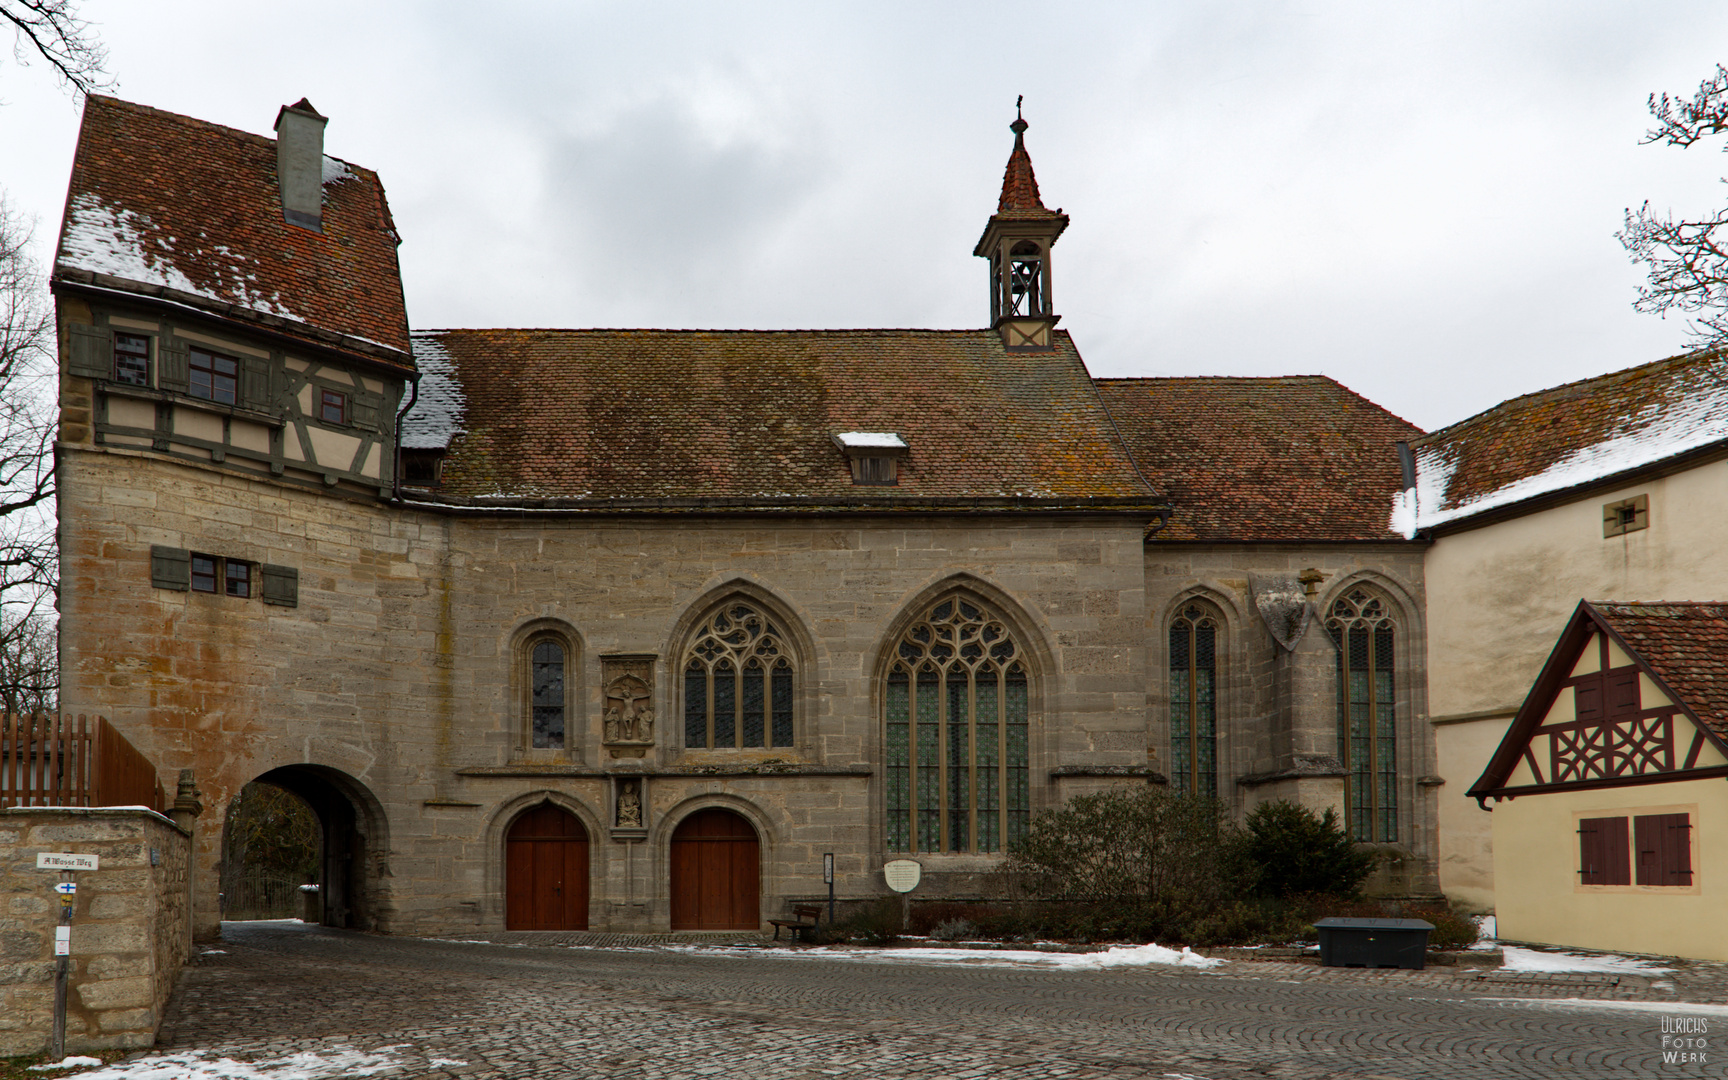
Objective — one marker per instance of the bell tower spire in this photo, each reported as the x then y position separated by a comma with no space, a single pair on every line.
1017,241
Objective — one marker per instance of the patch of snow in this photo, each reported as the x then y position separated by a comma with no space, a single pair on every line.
1486,928
1660,430
1113,957
863,440
1518,959
1404,514
213,952
1672,1008
336,170
439,1062
438,412
103,240
74,1062
199,1065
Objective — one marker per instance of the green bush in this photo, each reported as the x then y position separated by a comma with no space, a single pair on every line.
875,924
1300,852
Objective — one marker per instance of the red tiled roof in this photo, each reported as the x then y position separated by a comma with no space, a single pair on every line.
1019,185
662,414
167,205
1296,457
1570,435
1687,645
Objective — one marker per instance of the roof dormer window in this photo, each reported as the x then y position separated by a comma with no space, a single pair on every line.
874,456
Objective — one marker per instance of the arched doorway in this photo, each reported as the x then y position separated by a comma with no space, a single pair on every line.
352,839
546,871
716,873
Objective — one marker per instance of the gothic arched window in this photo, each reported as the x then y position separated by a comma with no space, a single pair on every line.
956,712
1362,627
1194,702
738,681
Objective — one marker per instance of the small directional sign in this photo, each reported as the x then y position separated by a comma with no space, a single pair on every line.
62,941
66,888
64,860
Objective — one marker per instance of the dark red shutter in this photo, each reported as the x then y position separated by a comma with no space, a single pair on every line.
1602,852
1664,849
1588,696
1622,692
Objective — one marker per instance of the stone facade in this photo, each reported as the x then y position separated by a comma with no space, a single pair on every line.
130,930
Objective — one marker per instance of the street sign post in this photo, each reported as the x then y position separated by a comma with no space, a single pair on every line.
828,876
66,862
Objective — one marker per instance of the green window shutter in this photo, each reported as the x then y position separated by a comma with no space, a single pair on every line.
170,568
174,365
366,409
254,382
91,354
281,586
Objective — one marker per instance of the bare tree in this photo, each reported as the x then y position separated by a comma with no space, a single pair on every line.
29,663
1688,259
52,30
29,563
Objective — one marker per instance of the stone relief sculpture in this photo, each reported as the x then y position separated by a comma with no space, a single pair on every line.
628,721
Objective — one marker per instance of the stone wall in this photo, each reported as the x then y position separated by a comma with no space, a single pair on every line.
130,930
394,687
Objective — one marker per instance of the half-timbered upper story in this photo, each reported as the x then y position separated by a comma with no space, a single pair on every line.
1632,694
230,299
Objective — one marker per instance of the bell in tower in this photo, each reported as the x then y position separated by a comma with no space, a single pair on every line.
1017,241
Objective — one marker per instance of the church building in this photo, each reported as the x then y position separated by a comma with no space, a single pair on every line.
627,629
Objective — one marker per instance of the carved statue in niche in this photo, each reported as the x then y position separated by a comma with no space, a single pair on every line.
629,806
628,720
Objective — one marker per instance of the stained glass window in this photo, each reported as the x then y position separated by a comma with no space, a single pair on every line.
1361,626
956,722
738,682
1194,702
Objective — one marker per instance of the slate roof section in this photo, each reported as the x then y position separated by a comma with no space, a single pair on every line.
751,415
165,205
1684,643
1297,457
1567,436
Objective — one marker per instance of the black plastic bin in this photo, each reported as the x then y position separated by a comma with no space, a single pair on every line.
1374,943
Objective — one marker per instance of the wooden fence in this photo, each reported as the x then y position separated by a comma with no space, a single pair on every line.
50,760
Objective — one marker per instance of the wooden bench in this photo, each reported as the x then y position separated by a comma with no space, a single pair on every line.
805,918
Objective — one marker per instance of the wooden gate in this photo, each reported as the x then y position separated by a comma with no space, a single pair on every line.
546,871
716,873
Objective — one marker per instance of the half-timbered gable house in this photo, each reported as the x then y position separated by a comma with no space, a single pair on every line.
1609,801
1607,487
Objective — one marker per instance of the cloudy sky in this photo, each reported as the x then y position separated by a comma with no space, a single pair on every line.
1417,200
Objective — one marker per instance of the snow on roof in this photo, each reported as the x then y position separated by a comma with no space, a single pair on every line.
103,240
869,440
440,406
1562,438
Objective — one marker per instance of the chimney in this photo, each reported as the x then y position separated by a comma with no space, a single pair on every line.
300,164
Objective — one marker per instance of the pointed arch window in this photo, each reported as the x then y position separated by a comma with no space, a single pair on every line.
1194,702
739,682
1362,627
956,710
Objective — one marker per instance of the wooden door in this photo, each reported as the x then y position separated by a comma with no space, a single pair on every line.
546,871
716,873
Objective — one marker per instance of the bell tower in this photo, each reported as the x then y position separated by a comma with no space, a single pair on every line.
1017,241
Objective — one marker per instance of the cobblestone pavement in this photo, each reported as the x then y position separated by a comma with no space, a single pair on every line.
621,1009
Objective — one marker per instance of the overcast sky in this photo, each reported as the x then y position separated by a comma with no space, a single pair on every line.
1418,200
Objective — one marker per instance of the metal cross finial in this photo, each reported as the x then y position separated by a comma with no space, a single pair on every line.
1018,100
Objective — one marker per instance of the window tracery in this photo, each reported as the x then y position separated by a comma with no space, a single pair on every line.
956,727
738,682
1362,627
